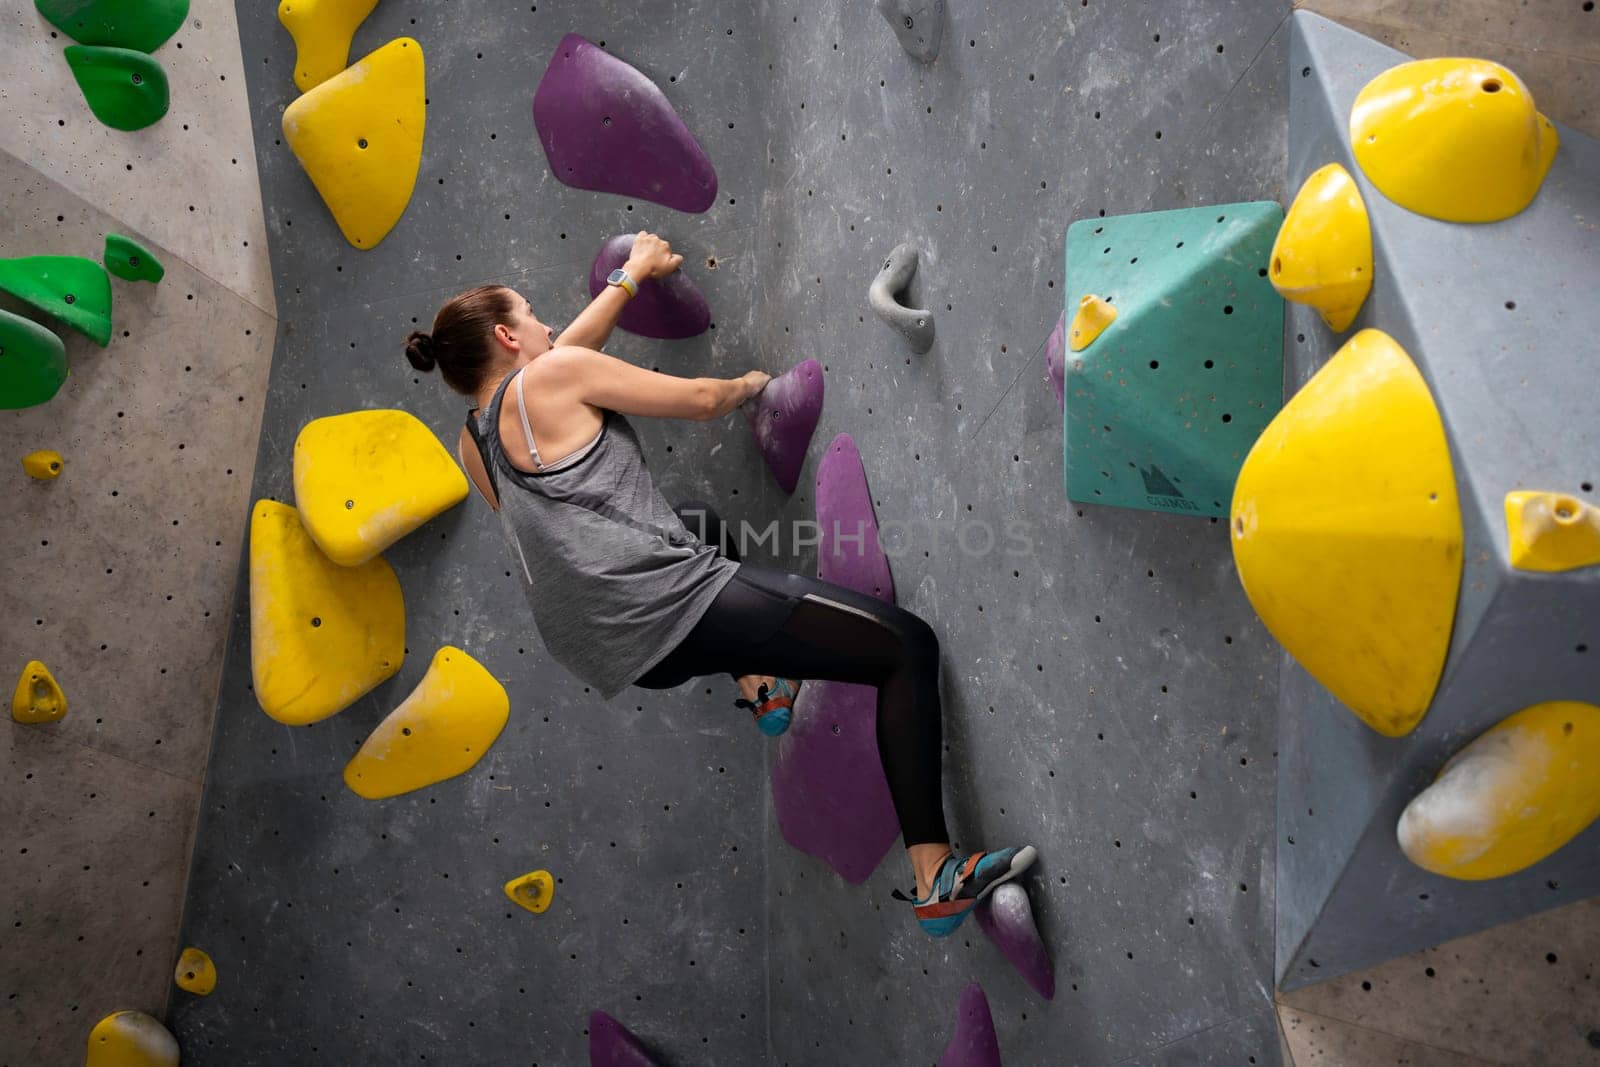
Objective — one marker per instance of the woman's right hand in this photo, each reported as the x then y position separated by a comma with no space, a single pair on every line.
755,381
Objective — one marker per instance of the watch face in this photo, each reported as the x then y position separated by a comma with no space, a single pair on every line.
616,276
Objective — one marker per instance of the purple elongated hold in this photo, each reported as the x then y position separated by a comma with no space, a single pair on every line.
849,553
1007,917
669,308
612,1045
783,416
828,787
974,1044
608,128
1055,360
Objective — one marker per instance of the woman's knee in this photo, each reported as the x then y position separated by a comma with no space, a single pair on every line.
918,637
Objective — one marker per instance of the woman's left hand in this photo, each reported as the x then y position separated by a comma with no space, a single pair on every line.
750,685
651,257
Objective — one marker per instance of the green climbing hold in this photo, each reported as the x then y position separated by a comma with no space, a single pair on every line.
126,90
132,261
33,362
142,25
73,289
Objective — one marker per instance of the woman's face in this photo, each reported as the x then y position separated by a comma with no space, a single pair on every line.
534,336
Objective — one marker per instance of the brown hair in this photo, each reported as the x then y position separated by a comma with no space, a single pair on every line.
459,345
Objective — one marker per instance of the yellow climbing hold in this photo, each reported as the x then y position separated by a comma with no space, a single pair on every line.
1089,321
1551,531
365,479
37,697
131,1039
43,464
1510,798
1453,139
440,730
321,635
1323,254
195,972
359,137
322,30
532,891
1347,532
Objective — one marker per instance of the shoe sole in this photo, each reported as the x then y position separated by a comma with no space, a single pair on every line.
1025,857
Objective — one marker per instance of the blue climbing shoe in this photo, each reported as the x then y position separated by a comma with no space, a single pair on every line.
772,710
962,881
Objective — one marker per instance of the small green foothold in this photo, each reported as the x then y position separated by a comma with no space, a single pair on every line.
132,261
73,289
33,362
126,90
142,25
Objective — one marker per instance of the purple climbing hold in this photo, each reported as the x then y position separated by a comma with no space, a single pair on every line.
608,128
611,1045
667,308
1007,917
849,553
783,416
974,1043
827,780
1055,359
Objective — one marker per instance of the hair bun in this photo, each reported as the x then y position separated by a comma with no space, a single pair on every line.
419,350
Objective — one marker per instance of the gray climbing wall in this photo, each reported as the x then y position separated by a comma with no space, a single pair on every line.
1497,348
1108,690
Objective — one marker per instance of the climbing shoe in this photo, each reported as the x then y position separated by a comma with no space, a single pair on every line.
962,881
772,710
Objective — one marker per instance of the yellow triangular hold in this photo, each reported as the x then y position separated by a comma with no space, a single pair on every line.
359,137
1089,321
1551,531
1323,254
37,697
322,30
533,891
365,479
131,1039
1454,139
1511,797
1347,532
43,464
321,635
195,972
440,730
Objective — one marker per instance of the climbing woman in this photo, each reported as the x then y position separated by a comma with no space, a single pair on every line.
624,592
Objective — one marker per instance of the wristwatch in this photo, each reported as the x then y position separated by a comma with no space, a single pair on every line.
620,277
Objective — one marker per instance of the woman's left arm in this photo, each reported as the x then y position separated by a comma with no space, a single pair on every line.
651,257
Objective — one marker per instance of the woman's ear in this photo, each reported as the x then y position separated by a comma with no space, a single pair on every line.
503,334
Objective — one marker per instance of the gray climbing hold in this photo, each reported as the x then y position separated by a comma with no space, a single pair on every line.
919,24
915,324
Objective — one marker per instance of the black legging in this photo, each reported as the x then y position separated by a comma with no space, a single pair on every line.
772,622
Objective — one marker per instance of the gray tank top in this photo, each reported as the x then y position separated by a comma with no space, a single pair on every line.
614,578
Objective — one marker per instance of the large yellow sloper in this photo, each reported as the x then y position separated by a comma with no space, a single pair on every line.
1323,253
359,137
131,1039
1511,797
322,31
1551,531
321,635
365,479
1454,139
440,730
1347,532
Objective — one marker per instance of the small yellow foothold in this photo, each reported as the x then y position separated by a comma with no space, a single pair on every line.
1453,139
43,464
444,727
195,973
1090,320
1323,254
1511,797
322,30
131,1039
1551,531
359,137
532,891
37,698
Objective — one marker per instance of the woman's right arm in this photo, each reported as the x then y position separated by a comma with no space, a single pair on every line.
605,381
